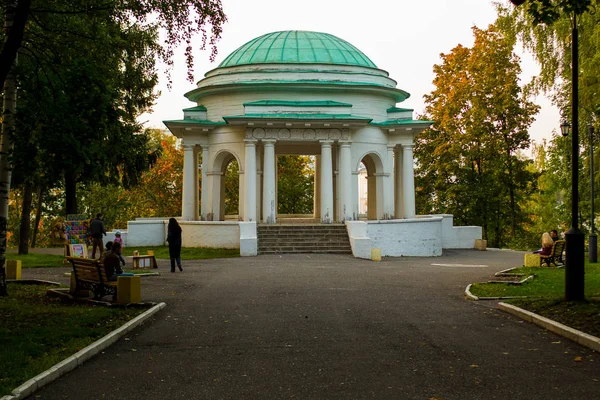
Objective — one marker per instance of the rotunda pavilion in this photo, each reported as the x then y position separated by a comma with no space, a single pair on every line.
299,93
302,93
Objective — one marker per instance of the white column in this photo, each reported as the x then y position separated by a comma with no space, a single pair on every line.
399,192
344,182
189,186
408,180
250,181
317,188
326,182
196,192
388,185
269,204
206,196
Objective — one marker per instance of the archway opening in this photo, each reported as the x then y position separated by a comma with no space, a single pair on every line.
231,190
295,186
370,187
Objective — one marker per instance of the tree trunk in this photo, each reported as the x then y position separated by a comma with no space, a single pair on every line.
17,14
38,217
25,219
8,126
71,192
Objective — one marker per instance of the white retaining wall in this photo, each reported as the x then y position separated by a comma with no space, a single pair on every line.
424,236
222,234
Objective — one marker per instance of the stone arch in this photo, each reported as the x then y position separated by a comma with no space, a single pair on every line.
375,171
220,163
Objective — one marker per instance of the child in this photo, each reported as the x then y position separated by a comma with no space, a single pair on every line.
119,240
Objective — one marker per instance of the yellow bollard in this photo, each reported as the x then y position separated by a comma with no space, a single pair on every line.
531,260
129,289
480,244
376,254
13,269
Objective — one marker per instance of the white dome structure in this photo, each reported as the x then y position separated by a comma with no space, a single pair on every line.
305,93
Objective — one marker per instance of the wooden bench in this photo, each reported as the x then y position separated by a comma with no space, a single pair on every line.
555,256
90,275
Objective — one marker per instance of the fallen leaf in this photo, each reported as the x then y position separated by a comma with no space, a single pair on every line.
578,359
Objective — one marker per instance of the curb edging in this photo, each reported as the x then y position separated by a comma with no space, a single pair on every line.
582,338
71,362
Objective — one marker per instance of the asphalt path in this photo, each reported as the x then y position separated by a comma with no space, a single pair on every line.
331,327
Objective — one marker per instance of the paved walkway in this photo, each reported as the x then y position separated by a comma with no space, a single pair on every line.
331,327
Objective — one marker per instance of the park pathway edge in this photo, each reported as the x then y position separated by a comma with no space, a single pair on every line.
80,357
576,336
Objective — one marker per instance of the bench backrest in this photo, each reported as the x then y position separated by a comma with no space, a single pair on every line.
557,248
87,269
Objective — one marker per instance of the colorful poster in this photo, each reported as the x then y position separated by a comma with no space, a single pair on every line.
78,250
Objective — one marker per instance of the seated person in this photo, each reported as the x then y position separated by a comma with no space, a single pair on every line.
112,263
108,246
554,234
547,244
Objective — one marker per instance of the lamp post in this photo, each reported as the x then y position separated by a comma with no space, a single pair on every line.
574,271
593,238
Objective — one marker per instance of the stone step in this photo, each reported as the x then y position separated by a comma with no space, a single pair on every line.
308,252
303,238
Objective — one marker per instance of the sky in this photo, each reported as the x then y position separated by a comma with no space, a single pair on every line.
404,38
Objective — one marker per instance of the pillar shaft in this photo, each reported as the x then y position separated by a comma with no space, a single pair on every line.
250,181
269,183
408,180
388,185
345,183
399,189
189,186
326,182
205,195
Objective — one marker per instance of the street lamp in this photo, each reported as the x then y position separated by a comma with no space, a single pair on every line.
565,128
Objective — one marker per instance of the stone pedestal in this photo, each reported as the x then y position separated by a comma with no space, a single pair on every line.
129,289
480,244
531,260
13,269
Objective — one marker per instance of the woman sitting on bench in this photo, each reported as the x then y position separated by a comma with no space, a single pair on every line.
547,244
112,263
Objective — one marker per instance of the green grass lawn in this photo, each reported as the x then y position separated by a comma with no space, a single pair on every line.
30,347
33,260
187,253
545,296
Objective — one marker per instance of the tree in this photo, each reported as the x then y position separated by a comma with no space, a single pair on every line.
28,23
469,163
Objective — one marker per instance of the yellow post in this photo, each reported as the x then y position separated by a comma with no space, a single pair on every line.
376,254
129,289
531,260
480,244
13,269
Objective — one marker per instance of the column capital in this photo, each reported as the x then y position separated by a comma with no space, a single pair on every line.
345,143
269,142
326,142
250,142
391,147
188,146
408,146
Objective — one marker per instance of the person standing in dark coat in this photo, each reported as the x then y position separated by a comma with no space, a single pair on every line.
174,239
97,231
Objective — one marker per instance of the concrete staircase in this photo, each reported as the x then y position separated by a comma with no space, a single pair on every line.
303,238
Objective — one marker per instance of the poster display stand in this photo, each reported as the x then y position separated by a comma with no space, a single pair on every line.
76,229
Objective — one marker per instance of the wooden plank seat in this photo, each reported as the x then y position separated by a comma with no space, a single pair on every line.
556,255
90,275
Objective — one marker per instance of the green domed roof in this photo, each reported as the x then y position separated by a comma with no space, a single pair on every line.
293,47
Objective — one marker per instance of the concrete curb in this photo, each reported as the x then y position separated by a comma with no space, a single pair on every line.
576,336
80,357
